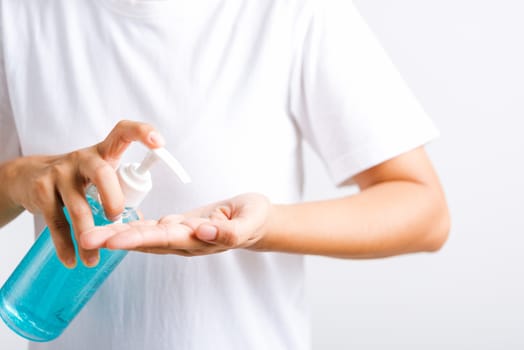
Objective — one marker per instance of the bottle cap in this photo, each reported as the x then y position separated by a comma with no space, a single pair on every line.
135,178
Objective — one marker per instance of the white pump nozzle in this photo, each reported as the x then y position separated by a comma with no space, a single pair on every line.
135,178
157,154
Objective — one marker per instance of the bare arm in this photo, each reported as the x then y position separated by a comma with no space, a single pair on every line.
401,209
8,209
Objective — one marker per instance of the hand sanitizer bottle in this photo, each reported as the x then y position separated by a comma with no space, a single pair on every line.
42,296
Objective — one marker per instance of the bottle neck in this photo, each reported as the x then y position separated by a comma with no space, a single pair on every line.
93,198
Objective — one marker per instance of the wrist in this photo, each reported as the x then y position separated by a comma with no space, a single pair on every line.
9,208
8,172
271,230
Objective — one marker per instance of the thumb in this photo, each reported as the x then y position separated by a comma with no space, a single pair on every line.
123,134
227,233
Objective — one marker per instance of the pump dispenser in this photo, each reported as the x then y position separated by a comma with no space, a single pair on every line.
135,178
42,296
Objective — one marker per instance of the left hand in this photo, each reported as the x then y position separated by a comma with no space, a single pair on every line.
238,222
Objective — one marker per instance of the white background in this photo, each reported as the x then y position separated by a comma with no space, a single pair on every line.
464,59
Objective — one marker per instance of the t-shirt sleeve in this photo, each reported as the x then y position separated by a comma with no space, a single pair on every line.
9,141
349,101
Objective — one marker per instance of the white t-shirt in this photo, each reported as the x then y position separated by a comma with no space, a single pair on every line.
235,86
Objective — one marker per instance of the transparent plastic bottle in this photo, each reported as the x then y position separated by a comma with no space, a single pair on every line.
42,296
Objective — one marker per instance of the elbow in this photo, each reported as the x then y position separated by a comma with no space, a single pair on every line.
440,226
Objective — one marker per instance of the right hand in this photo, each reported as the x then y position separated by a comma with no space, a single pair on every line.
44,184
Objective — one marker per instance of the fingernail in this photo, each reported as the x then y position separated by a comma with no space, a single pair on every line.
70,263
207,232
92,261
156,138
116,219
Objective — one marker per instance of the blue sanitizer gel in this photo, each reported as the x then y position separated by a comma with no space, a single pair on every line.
42,296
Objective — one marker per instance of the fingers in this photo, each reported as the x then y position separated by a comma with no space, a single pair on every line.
182,252
104,177
100,168
222,230
60,231
82,220
45,197
161,235
97,237
169,233
123,134
225,233
207,233
237,223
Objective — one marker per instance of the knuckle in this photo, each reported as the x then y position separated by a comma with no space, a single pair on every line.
32,208
122,124
59,171
78,210
40,187
74,156
143,129
60,225
101,172
113,209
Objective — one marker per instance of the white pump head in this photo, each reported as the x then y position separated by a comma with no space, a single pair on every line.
135,178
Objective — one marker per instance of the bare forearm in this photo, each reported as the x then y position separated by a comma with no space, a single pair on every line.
8,210
389,218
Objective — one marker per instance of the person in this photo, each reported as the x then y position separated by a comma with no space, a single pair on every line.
231,88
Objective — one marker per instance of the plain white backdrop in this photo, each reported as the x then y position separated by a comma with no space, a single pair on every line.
464,60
